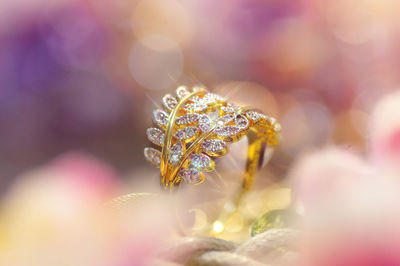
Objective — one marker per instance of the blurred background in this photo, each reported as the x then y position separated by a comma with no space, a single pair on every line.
83,75
78,82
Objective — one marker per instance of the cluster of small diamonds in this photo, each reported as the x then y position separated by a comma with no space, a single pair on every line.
200,114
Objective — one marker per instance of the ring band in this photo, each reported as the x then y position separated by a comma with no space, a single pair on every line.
196,126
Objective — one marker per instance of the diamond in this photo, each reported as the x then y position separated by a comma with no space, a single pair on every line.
212,97
197,88
160,117
230,108
200,161
155,135
175,153
277,127
187,119
227,131
241,121
225,119
153,156
208,98
191,175
204,123
253,115
272,120
186,133
213,145
196,106
169,102
182,91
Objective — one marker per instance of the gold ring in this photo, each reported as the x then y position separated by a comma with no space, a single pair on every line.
195,127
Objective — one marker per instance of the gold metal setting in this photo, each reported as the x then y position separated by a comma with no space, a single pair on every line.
196,127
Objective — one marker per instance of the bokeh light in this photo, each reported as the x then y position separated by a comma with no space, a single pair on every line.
79,79
155,69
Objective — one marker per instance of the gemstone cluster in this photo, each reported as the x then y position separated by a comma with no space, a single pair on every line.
202,125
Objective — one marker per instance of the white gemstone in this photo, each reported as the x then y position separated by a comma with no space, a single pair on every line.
214,115
197,88
169,102
191,175
241,121
272,120
186,133
212,97
153,156
175,153
230,108
213,145
227,131
196,106
187,119
277,127
204,123
200,160
182,91
160,117
225,119
208,98
155,135
253,115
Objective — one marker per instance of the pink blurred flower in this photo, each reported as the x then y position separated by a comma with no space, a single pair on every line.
55,215
385,131
86,173
320,175
351,204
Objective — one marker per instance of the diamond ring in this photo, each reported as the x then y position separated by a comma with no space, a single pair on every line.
196,126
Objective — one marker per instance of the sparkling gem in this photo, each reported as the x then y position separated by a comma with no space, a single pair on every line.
160,117
272,120
277,127
212,97
175,153
213,145
230,108
155,135
204,123
186,133
208,99
214,115
182,91
191,175
200,160
196,106
153,156
241,121
263,116
253,115
187,119
225,119
169,102
227,131
197,88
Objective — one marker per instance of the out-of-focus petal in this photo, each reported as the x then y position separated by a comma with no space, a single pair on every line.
320,176
385,130
359,228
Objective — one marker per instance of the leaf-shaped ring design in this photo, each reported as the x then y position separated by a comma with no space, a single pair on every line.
196,126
